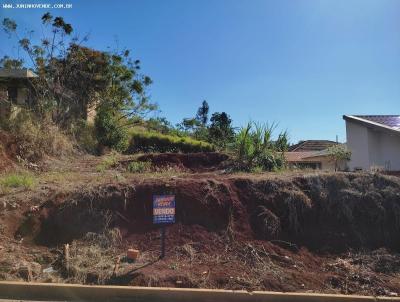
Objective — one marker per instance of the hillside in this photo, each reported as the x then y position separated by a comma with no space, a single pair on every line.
318,232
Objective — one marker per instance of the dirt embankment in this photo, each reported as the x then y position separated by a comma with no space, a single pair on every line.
325,213
320,233
194,162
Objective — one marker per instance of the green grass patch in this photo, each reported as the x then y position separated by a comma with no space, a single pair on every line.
18,180
148,141
108,162
139,167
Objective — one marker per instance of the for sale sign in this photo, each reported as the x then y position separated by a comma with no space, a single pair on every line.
163,209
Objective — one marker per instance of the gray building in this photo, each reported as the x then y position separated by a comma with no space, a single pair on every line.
374,142
15,89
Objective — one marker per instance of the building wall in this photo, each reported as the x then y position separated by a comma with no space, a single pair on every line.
22,96
390,153
372,148
320,163
357,143
328,164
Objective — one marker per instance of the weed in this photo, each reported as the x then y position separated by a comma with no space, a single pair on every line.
189,251
23,180
139,166
108,162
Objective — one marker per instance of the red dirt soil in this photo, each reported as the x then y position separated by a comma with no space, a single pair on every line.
324,233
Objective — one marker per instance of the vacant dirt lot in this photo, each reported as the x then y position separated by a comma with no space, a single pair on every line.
319,232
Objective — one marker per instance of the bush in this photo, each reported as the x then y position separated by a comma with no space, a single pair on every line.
139,166
85,136
156,142
109,131
255,149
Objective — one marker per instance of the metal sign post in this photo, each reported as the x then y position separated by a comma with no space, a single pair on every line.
163,214
162,241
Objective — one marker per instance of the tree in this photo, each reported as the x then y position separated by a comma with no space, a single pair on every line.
72,77
337,153
221,131
159,124
202,113
109,131
8,63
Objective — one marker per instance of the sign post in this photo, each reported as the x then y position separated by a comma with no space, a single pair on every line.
163,214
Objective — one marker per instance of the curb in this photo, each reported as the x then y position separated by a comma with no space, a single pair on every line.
73,292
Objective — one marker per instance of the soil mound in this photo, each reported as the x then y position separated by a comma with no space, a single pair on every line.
199,162
326,213
326,233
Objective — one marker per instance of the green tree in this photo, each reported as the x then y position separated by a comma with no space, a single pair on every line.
159,124
338,153
73,77
8,63
202,113
109,131
221,131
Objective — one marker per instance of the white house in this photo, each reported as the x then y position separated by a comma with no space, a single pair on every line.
374,141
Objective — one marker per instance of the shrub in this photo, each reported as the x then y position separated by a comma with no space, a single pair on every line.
156,142
85,136
24,180
139,166
109,131
255,149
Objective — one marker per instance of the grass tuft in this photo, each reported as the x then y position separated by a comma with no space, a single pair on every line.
108,162
22,180
139,167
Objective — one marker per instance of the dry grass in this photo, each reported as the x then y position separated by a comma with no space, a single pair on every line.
34,139
92,260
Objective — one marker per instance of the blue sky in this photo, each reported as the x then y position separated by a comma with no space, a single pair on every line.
302,64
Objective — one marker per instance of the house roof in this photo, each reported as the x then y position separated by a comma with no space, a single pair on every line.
297,156
386,122
311,145
308,156
17,73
